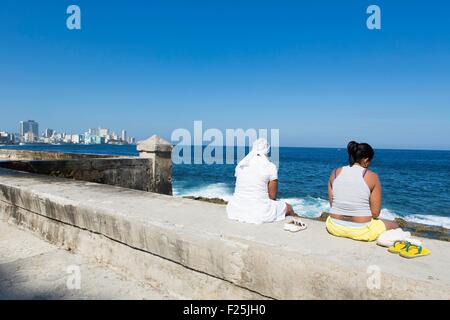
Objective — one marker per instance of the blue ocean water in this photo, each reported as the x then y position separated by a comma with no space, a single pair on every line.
416,183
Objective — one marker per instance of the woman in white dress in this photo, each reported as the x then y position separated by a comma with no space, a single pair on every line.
255,195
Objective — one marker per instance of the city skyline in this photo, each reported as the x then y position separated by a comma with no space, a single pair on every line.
29,133
313,70
134,140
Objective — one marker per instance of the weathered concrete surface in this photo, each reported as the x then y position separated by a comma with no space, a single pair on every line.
154,144
15,155
159,151
172,278
151,171
132,173
194,238
31,268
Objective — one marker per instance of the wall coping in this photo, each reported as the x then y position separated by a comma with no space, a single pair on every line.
7,153
154,144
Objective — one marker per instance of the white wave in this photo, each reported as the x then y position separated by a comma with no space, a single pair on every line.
388,215
215,190
429,219
307,207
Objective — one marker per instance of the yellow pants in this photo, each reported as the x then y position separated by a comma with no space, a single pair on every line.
369,232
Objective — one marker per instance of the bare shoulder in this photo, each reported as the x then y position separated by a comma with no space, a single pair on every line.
336,172
371,177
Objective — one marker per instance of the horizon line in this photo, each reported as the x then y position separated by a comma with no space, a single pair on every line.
229,146
321,147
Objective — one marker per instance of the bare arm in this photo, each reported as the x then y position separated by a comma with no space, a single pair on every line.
375,196
273,189
330,191
333,176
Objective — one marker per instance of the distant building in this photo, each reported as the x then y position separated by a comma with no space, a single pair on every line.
124,136
13,138
6,138
29,131
67,138
29,137
77,138
23,128
103,132
94,132
93,139
48,133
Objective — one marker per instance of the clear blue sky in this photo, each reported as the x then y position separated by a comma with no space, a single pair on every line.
310,68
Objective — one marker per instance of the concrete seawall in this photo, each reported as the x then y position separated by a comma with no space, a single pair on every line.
16,155
132,173
192,248
151,171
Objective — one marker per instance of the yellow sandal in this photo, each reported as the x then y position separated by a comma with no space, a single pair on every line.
413,251
398,246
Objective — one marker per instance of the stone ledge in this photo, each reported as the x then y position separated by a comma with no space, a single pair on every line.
17,154
154,144
133,173
198,236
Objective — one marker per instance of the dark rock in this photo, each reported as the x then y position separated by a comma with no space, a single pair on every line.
210,200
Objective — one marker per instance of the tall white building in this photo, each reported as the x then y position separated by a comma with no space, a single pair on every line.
94,132
103,132
48,133
124,136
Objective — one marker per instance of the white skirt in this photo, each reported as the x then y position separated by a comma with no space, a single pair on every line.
256,211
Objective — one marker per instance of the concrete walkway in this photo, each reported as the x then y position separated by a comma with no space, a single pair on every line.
31,268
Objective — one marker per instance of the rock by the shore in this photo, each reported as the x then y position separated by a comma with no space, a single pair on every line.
210,200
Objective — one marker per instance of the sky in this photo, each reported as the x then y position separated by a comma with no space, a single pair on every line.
311,69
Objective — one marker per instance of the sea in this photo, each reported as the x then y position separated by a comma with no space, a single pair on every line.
415,183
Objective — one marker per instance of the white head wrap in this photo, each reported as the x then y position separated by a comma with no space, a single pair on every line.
260,148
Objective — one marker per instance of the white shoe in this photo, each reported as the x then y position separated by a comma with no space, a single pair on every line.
295,225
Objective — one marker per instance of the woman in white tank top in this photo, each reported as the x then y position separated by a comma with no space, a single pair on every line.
355,197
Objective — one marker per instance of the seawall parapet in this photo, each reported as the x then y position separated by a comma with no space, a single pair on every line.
151,171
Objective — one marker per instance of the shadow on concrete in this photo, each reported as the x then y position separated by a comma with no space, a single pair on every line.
15,287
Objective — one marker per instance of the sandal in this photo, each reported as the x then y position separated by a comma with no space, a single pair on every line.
398,246
295,225
414,251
